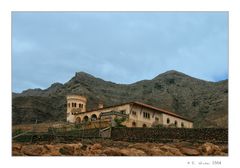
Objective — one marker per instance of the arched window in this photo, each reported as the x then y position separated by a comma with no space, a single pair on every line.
78,120
168,120
85,118
93,117
133,124
144,125
182,124
175,123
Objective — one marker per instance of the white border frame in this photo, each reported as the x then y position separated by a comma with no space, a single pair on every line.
6,7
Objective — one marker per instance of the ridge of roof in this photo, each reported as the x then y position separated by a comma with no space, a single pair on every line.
162,110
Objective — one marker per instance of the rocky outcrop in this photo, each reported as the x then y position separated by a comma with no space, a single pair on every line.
211,149
118,148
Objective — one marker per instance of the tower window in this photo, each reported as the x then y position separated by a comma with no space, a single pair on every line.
74,104
80,105
168,120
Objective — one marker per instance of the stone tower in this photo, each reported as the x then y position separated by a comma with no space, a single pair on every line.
75,105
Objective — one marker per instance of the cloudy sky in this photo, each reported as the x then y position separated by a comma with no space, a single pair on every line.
122,47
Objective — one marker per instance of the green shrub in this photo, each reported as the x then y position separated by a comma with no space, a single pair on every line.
17,131
159,126
78,126
119,122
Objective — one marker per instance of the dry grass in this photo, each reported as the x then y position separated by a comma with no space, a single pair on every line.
43,127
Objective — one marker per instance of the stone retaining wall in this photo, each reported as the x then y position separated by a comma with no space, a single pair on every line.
161,134
217,135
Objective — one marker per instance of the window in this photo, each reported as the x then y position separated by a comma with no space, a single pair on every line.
133,124
85,118
123,111
93,117
146,115
78,120
68,104
175,123
80,105
74,105
156,119
168,120
144,125
134,113
182,124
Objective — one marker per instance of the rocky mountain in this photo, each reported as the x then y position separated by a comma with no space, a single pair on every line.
206,103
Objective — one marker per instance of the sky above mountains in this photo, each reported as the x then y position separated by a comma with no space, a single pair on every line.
122,47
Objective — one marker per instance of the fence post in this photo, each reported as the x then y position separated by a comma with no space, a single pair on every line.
33,130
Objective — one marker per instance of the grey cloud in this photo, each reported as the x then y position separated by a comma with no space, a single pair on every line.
116,45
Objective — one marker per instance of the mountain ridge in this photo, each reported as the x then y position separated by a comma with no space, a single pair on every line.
202,101
84,74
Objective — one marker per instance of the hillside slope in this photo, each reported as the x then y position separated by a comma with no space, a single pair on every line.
206,103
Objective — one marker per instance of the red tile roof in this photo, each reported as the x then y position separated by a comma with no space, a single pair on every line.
161,110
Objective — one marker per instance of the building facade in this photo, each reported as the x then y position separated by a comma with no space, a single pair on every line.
137,114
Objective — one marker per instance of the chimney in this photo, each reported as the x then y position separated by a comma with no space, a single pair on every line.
100,105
